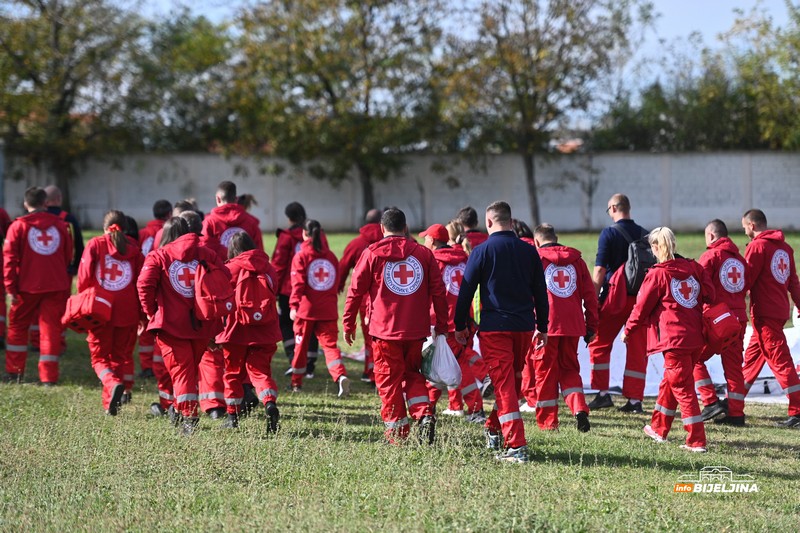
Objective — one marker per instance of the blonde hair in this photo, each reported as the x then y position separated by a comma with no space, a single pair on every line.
455,230
664,238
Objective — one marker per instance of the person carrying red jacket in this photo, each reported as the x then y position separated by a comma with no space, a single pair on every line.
401,279
670,302
229,218
113,261
5,222
166,293
573,312
772,268
368,234
468,218
730,275
248,348
36,253
314,306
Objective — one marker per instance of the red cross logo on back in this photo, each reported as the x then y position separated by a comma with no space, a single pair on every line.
561,278
403,274
686,290
321,275
186,277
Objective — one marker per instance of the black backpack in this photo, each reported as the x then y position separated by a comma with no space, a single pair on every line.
640,259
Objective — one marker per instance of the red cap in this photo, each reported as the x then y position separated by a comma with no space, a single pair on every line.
437,232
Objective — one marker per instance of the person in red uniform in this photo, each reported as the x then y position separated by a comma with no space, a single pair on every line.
248,348
773,273
5,222
468,218
452,262
671,303
314,306
36,254
528,400
113,261
573,312
401,279
728,271
166,293
369,233
229,218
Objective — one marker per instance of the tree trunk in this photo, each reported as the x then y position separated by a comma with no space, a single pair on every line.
62,171
367,188
533,195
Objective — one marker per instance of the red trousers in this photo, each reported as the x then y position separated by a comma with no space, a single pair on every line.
732,367
255,359
768,344
50,307
3,308
635,362
368,362
327,333
146,343
163,380
397,365
476,363
111,352
528,390
210,384
467,396
182,359
556,366
677,389
504,354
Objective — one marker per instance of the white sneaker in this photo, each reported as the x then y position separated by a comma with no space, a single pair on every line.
453,412
344,387
694,449
524,407
650,432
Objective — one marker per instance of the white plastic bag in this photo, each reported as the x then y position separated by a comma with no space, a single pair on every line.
440,365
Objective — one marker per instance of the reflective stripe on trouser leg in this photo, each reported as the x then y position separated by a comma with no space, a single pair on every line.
182,358
678,369
504,354
732,361
703,384
390,367
779,359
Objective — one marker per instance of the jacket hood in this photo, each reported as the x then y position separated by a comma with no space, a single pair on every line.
371,233
771,235
41,220
232,214
674,266
308,247
254,260
559,255
184,248
393,248
295,231
130,251
450,256
724,244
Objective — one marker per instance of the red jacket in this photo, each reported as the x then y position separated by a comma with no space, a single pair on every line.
670,301
227,220
260,334
368,234
36,253
570,291
729,273
288,244
147,235
452,262
401,278
166,288
101,260
476,237
773,272
314,287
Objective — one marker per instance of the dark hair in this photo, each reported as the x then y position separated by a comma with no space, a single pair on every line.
546,232
131,228
240,242
314,230
35,197
184,205
521,229
295,212
246,200
227,191
394,220
757,217
622,203
162,209
194,222
373,216
718,228
114,223
468,217
501,212
173,228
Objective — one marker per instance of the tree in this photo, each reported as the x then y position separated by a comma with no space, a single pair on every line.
531,63
339,86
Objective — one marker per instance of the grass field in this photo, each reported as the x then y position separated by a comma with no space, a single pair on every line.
65,466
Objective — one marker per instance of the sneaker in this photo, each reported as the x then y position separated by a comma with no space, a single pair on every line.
189,426
493,440
601,401
217,412
694,449
273,416
311,365
175,417
427,429
453,412
147,373
791,422
736,421
344,387
230,422
650,432
309,375
712,411
366,378
478,417
294,388
582,420
116,399
631,407
156,410
525,407
487,389
514,455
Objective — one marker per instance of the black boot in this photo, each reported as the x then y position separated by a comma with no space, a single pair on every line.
189,426
231,422
273,417
427,429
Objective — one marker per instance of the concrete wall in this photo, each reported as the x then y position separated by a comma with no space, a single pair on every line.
683,191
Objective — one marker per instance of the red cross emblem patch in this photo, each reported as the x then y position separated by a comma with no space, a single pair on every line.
181,276
321,275
44,242
561,280
452,277
731,275
780,266
403,277
685,291
117,275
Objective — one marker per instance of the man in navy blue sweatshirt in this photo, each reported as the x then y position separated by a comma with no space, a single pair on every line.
512,286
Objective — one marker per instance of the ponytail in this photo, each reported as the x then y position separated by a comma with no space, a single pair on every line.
114,223
664,238
314,230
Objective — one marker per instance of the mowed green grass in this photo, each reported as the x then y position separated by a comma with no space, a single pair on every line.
66,466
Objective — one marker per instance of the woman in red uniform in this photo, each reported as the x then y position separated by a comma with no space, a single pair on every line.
250,346
166,292
113,261
670,302
314,306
